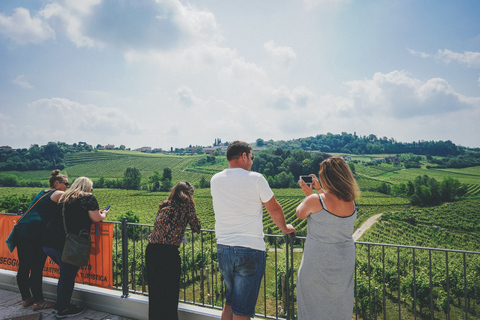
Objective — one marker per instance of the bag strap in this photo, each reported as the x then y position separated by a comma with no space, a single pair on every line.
63,215
31,207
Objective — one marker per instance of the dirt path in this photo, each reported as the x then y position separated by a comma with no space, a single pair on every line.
365,226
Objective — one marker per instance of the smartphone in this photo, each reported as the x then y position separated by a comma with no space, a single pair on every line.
307,179
107,208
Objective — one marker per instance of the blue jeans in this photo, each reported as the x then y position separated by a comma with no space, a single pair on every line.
242,270
66,282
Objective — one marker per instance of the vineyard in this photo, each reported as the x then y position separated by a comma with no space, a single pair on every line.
112,165
453,225
450,226
145,204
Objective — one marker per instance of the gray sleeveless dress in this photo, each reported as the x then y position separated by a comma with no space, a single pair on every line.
325,281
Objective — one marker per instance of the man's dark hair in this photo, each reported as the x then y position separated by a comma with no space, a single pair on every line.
236,149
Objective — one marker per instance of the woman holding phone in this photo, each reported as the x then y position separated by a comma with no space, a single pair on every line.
78,209
325,278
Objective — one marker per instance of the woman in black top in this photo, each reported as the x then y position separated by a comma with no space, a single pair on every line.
161,255
81,210
30,229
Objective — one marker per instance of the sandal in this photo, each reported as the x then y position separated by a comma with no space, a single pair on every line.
43,304
28,302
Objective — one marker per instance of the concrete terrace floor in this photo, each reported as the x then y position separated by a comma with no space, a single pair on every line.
11,308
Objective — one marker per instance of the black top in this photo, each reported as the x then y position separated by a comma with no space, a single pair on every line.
34,223
76,219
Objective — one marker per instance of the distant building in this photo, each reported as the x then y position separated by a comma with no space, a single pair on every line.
144,149
392,158
346,157
6,147
109,147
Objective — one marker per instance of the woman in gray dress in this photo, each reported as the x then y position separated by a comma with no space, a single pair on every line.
325,278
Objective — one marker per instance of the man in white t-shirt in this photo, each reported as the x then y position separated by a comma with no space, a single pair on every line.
238,199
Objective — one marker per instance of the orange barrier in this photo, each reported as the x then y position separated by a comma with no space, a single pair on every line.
99,270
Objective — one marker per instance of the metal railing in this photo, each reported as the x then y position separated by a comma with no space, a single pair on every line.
391,281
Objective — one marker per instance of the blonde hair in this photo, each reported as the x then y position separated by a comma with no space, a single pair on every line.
336,176
80,188
56,176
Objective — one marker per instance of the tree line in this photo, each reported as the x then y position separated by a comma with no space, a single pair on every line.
371,144
47,157
52,155
426,191
132,180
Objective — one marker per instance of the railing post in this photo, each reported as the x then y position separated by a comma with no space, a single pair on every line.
290,303
124,258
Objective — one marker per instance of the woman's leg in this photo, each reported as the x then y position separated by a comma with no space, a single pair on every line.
66,281
38,258
152,261
24,263
170,287
163,272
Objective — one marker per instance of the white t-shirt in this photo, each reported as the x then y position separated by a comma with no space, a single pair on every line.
238,197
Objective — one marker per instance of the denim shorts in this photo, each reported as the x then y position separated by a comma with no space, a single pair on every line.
242,270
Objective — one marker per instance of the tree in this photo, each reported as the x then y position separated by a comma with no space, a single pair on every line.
204,183
132,179
167,174
100,183
13,203
132,217
154,181
260,142
166,185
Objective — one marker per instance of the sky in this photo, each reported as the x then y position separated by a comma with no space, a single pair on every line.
176,73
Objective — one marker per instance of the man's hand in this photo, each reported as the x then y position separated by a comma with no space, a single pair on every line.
290,229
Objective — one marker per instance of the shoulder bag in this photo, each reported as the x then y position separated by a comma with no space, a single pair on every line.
12,237
76,250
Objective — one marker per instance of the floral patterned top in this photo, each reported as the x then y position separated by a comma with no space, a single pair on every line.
171,222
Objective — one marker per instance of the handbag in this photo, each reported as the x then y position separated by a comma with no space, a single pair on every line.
11,240
76,250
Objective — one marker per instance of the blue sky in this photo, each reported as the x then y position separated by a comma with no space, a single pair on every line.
178,73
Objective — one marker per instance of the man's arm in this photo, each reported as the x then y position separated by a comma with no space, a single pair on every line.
275,211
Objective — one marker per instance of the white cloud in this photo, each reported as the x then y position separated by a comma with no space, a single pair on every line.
419,53
246,73
469,58
22,82
22,28
282,57
185,96
285,99
69,18
159,25
398,95
71,120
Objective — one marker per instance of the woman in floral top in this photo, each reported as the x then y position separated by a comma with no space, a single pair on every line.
162,256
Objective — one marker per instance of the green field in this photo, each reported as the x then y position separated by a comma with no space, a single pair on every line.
453,225
112,165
